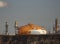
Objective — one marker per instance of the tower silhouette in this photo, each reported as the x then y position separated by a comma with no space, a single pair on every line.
56,25
16,27
6,28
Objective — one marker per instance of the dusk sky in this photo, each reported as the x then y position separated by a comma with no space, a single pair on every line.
39,12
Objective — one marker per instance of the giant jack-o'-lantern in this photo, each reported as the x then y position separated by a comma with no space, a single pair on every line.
26,29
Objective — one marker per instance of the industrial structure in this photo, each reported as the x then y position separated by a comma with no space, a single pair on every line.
31,29
31,34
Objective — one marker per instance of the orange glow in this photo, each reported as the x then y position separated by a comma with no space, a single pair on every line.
24,30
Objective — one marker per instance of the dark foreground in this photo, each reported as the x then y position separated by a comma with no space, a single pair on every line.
30,39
